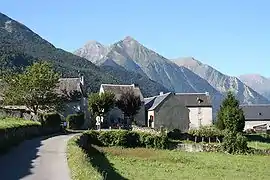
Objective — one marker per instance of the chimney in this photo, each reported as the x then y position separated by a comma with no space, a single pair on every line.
207,93
135,85
81,79
161,93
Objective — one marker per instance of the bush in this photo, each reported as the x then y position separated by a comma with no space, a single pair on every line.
234,143
51,120
75,121
125,139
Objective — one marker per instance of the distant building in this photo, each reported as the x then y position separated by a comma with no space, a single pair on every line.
256,116
200,108
116,115
179,110
165,110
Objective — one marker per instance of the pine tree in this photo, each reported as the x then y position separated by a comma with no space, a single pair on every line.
229,101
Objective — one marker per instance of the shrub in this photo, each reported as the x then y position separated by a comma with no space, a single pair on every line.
234,143
51,120
75,121
125,139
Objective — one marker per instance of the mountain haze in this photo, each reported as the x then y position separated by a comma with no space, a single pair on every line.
222,82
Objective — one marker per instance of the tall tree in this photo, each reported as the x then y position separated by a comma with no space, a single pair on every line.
35,88
229,101
130,104
100,104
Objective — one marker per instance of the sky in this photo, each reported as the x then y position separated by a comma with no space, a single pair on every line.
232,36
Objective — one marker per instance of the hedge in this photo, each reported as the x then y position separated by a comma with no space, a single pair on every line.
14,130
75,121
124,138
51,120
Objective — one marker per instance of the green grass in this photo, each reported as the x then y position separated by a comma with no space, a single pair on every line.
141,163
15,122
259,145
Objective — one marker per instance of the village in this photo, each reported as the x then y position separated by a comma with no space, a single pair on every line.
182,111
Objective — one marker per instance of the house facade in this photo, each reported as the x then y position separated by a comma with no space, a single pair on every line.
256,116
165,110
200,108
115,115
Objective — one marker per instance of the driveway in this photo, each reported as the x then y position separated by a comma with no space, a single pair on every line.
38,159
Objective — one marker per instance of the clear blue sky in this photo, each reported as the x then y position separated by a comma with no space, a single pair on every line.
230,35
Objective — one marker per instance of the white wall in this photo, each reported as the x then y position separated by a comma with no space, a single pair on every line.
250,124
206,117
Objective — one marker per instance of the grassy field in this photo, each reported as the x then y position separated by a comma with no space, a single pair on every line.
15,122
141,163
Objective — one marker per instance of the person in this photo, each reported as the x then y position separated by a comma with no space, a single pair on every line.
98,122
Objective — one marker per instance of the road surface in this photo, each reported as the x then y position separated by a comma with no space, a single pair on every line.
37,159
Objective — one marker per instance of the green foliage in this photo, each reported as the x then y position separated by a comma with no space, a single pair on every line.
229,101
129,103
230,115
14,131
126,139
51,120
234,143
75,121
100,104
234,119
206,131
35,88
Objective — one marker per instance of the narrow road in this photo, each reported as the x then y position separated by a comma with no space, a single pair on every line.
38,159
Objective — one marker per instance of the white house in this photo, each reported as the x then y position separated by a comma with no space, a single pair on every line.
256,115
116,115
200,108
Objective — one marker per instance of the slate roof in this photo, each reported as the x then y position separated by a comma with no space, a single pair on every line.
195,99
118,90
256,111
69,85
153,102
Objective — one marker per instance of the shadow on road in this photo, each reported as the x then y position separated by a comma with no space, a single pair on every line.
102,164
17,163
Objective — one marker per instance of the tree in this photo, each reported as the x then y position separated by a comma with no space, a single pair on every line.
229,101
34,87
232,118
100,104
130,104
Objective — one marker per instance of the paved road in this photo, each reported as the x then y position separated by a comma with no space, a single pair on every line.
37,159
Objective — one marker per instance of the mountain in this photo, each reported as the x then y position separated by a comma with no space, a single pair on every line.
134,57
259,83
19,43
222,82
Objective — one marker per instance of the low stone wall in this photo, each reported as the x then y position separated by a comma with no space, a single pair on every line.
198,147
145,129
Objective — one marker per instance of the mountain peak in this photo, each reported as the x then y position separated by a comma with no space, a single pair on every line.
129,39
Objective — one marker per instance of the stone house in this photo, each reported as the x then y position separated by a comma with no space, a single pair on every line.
200,108
116,115
165,110
257,116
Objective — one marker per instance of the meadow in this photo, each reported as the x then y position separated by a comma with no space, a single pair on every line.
141,163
